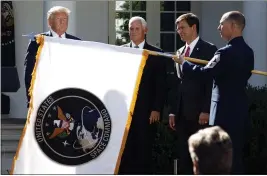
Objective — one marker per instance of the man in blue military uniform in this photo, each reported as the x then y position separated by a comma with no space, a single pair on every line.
230,69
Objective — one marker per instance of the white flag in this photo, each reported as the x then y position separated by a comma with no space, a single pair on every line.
82,97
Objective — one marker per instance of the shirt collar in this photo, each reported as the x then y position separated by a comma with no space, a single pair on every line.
192,44
141,45
54,34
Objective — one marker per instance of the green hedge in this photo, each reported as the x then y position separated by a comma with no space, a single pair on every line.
256,148
165,147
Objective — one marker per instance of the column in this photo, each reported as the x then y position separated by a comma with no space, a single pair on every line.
255,34
71,5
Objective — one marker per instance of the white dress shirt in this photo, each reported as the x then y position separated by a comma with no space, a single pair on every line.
54,34
141,45
191,45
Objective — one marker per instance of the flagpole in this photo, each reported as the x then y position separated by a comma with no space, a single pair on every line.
194,60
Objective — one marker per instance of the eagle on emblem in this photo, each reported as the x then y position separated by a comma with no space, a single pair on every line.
63,126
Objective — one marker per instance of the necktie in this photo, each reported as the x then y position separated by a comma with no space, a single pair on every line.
136,46
187,52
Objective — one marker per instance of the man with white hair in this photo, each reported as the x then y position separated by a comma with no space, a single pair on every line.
57,18
137,156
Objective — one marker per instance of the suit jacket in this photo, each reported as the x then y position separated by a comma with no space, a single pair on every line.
30,60
193,96
230,69
151,93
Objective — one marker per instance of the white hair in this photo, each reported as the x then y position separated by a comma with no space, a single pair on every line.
57,9
138,18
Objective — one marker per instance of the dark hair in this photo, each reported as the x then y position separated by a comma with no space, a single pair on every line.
190,18
237,17
211,148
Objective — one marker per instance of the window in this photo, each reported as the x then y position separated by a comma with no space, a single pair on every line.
169,12
160,17
124,11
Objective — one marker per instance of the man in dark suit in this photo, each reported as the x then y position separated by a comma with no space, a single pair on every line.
230,69
190,104
58,22
137,156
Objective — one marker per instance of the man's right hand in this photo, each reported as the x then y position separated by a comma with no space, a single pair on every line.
178,58
172,122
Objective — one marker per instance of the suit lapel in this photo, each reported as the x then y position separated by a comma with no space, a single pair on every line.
49,33
196,50
179,70
178,66
194,54
146,46
183,49
129,45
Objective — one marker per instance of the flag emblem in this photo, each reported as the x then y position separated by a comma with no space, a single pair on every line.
72,126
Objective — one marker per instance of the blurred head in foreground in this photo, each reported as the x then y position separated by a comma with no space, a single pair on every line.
211,151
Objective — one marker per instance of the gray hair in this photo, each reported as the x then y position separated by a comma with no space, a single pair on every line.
57,9
138,18
211,149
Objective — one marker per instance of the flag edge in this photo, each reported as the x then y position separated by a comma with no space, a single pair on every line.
145,54
40,41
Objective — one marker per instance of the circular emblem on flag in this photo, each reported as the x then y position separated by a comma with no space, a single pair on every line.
72,126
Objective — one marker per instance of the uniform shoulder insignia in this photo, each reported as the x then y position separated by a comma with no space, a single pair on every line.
213,61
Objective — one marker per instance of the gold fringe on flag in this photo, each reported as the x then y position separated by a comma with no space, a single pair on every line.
40,42
129,119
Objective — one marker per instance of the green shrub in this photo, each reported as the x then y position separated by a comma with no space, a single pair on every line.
256,149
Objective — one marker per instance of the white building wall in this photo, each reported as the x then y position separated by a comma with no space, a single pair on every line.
211,12
255,34
92,20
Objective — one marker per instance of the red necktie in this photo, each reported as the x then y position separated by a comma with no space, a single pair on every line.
187,52
180,66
